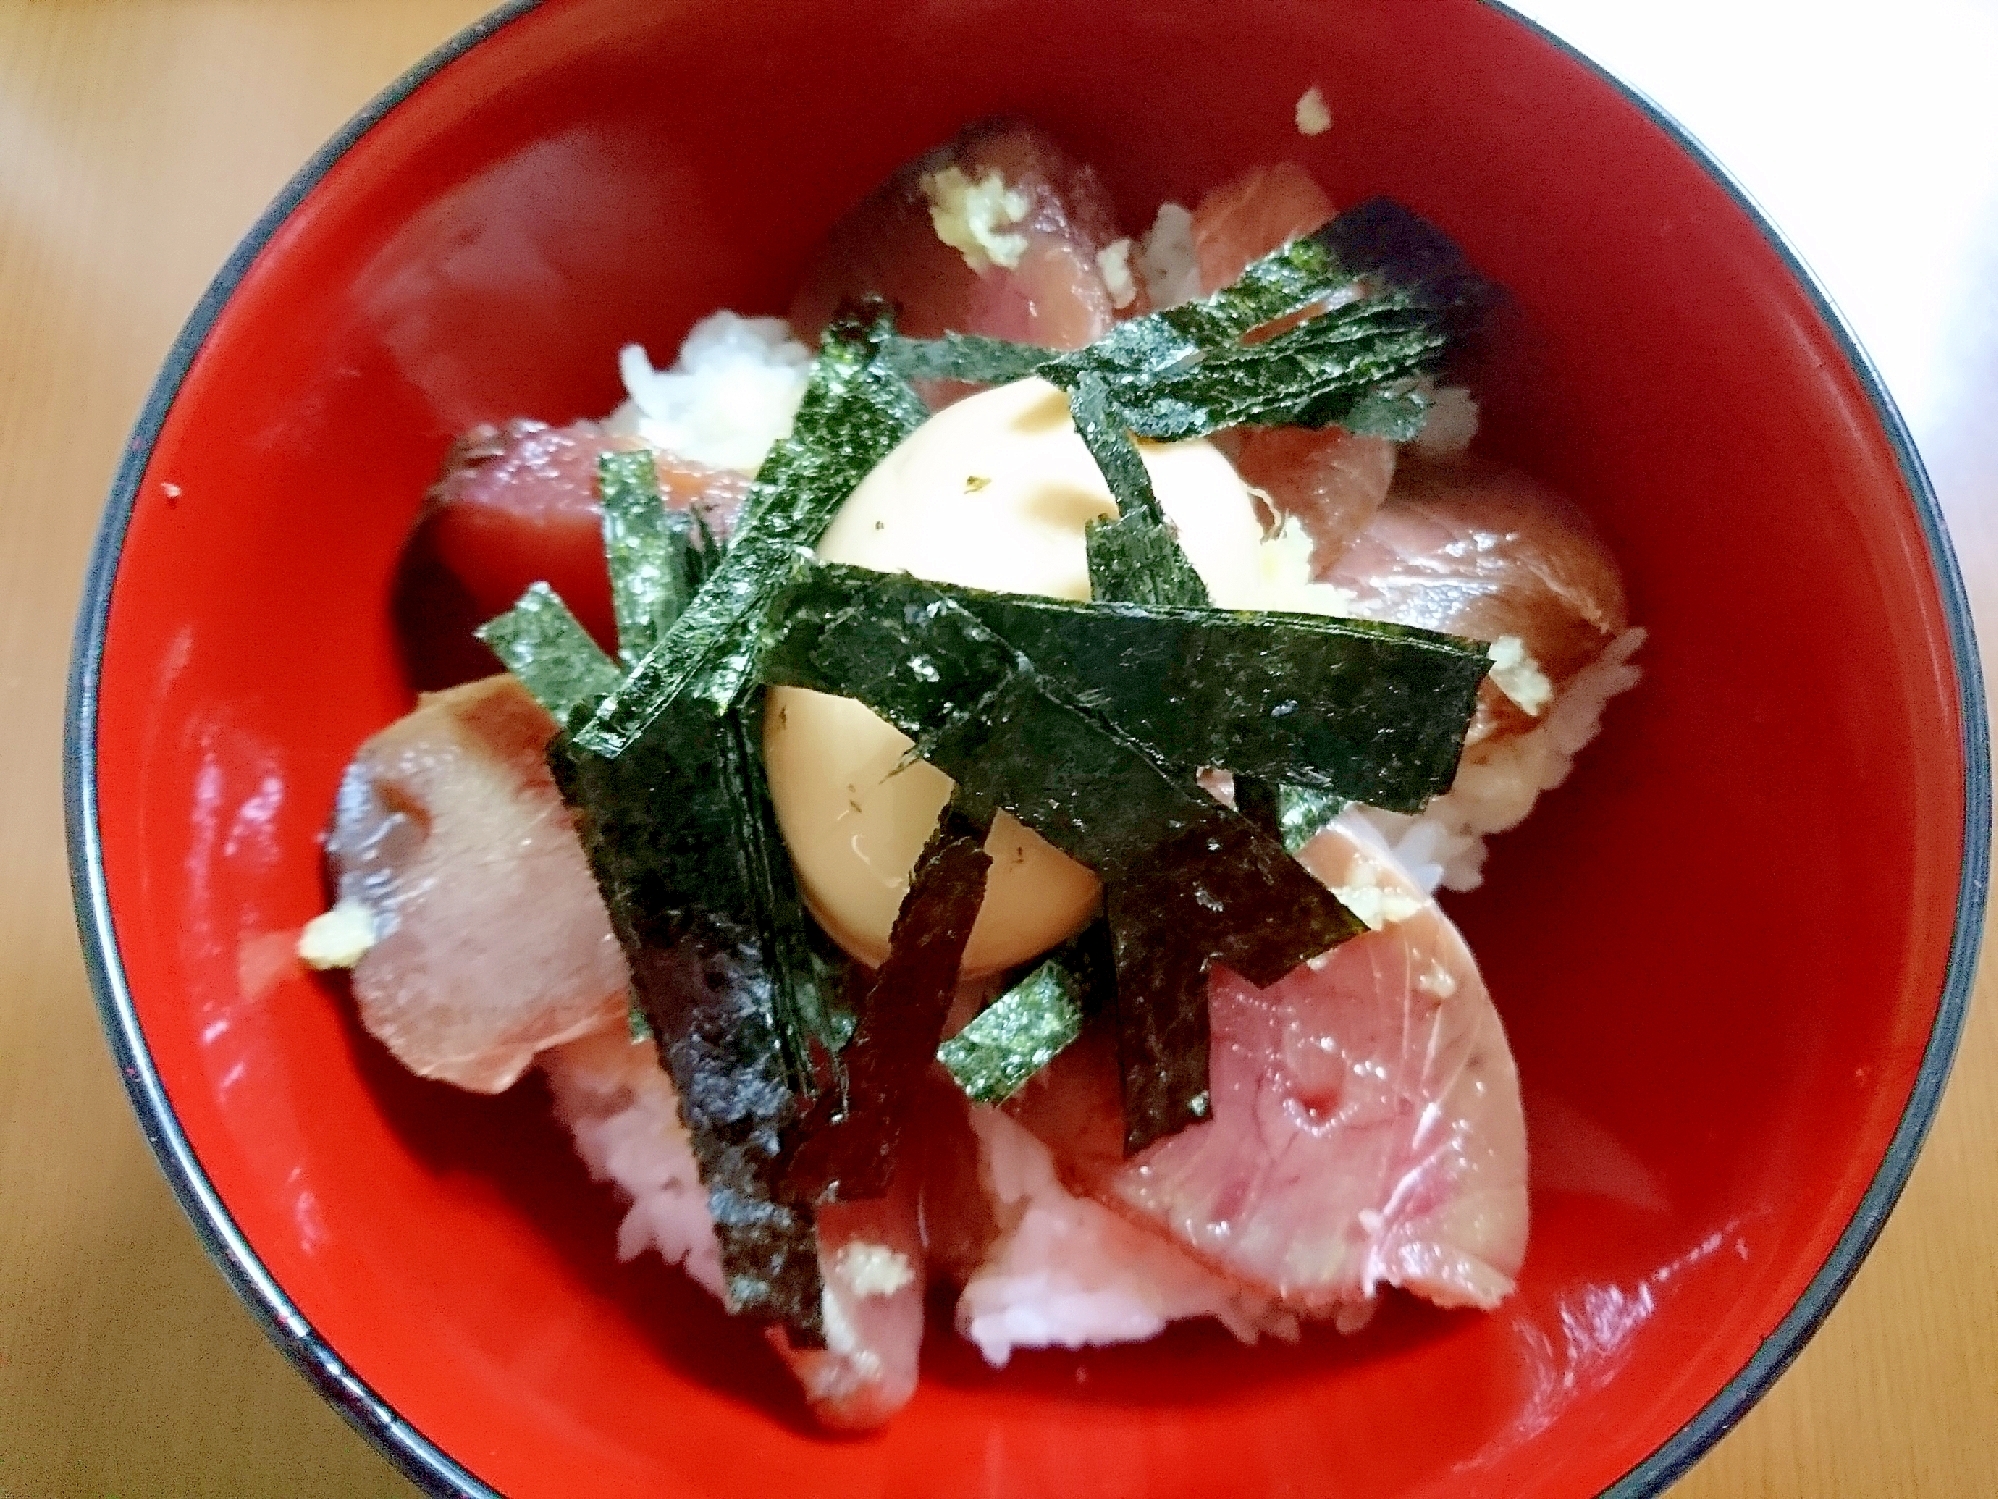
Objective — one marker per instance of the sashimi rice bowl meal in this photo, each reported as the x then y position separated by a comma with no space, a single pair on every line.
965,827
1027,798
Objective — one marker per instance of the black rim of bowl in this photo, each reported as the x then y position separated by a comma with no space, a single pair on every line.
421,1459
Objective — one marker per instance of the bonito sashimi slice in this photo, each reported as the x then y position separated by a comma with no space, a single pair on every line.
1000,232
1067,1271
1366,1126
623,1111
1251,215
490,942
1474,549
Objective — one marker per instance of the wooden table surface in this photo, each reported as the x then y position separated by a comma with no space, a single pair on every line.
138,140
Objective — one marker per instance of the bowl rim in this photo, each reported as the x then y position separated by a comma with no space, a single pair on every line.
420,1459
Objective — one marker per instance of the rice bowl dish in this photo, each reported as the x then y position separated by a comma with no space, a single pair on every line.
1559,1233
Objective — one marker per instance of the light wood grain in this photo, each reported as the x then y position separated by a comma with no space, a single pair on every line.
137,142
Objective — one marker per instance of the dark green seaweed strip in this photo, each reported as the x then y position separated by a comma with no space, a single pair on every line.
1287,281
663,827
847,1148
541,643
1256,798
1137,557
804,984
1303,812
1185,371
1016,1035
1397,415
1311,375
1013,739
1283,283
655,555
1366,711
964,356
1382,240
854,411
1212,894
1108,439
1291,813
1135,562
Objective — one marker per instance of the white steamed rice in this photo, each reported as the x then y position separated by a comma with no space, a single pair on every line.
732,393
1444,844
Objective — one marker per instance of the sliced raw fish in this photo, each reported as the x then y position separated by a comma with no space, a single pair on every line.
1486,552
1366,1127
490,942
1057,291
1329,480
1066,1271
872,1266
1250,216
517,505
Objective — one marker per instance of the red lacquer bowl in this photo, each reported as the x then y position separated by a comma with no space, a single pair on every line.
1733,953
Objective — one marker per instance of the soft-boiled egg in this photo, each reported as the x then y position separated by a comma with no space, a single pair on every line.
993,492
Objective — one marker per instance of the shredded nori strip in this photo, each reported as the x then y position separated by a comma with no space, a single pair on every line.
1016,1035
964,356
673,808
1303,812
674,813
1257,800
1013,739
1383,239
1311,375
1381,294
1372,712
847,1147
855,410
1217,893
657,556
1137,557
1291,813
681,838
542,644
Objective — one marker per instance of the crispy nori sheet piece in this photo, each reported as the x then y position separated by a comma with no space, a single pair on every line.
854,411
684,846
1018,1034
1381,294
1220,892
847,1146
1381,238
1256,799
673,808
1336,366
1291,813
964,356
1013,738
1372,712
657,556
1136,557
541,643
1303,812
1186,371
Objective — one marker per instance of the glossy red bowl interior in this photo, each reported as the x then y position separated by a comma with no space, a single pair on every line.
1732,953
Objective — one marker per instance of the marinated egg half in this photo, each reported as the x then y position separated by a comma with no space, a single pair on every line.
993,492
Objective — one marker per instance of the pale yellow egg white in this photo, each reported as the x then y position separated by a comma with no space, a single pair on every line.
992,492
